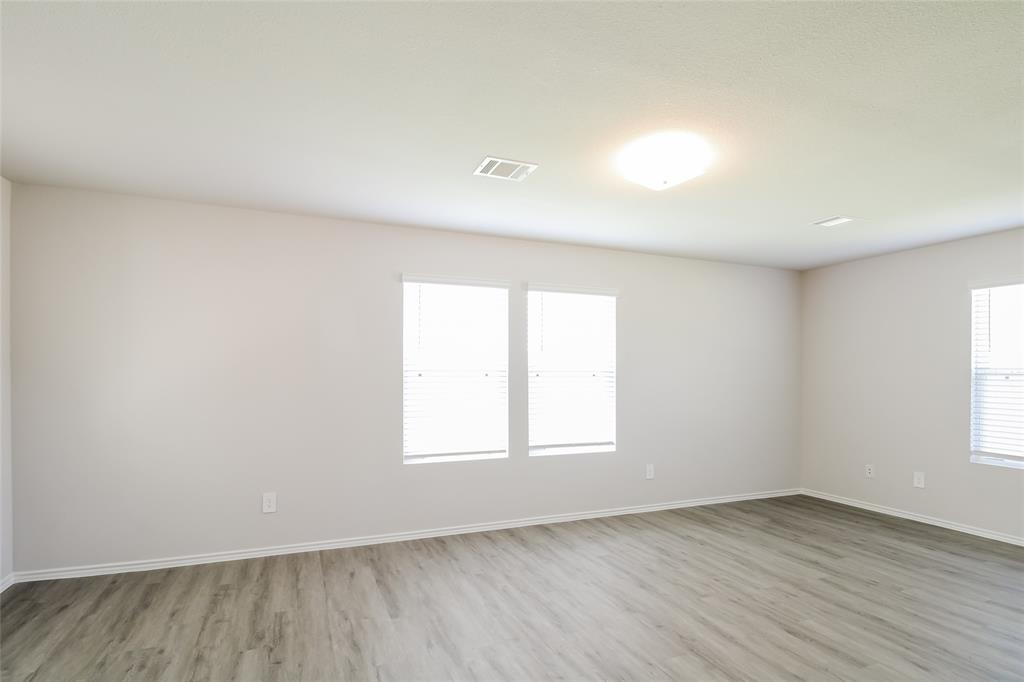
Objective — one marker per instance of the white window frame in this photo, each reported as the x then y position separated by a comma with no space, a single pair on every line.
412,278
981,456
552,450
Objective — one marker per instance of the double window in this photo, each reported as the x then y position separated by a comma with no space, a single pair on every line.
997,375
455,371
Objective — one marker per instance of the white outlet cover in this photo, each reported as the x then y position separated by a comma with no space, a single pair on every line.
918,479
269,503
869,470
650,471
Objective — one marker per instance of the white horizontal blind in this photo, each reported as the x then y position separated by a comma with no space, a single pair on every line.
571,366
997,371
455,385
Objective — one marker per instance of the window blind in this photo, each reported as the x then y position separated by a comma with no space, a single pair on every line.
571,372
997,371
455,371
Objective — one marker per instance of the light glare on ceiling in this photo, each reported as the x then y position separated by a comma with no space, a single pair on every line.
833,221
665,159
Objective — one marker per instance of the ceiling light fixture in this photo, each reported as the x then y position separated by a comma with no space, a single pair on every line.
665,159
833,221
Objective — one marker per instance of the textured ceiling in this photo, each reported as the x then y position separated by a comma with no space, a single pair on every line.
907,116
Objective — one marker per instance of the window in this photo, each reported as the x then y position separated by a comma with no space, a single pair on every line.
997,375
455,387
571,365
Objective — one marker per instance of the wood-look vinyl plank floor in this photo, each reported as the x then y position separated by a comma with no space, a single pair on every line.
789,588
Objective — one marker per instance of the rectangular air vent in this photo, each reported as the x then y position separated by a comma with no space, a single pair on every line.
504,169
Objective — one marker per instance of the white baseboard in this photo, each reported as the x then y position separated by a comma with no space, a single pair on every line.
7,581
215,557
980,532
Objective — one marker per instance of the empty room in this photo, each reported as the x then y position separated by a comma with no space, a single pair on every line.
512,341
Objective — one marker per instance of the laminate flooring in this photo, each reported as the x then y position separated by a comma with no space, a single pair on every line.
777,589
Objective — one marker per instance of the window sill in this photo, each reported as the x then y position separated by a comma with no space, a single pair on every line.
580,450
435,459
997,460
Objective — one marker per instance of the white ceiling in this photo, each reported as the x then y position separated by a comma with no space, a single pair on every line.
907,116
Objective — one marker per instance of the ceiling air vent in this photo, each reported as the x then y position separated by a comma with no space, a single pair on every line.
504,169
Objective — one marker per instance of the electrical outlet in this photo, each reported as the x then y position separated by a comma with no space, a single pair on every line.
869,471
650,471
918,479
269,503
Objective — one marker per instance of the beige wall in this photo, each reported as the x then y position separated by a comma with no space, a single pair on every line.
173,360
886,372
6,481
